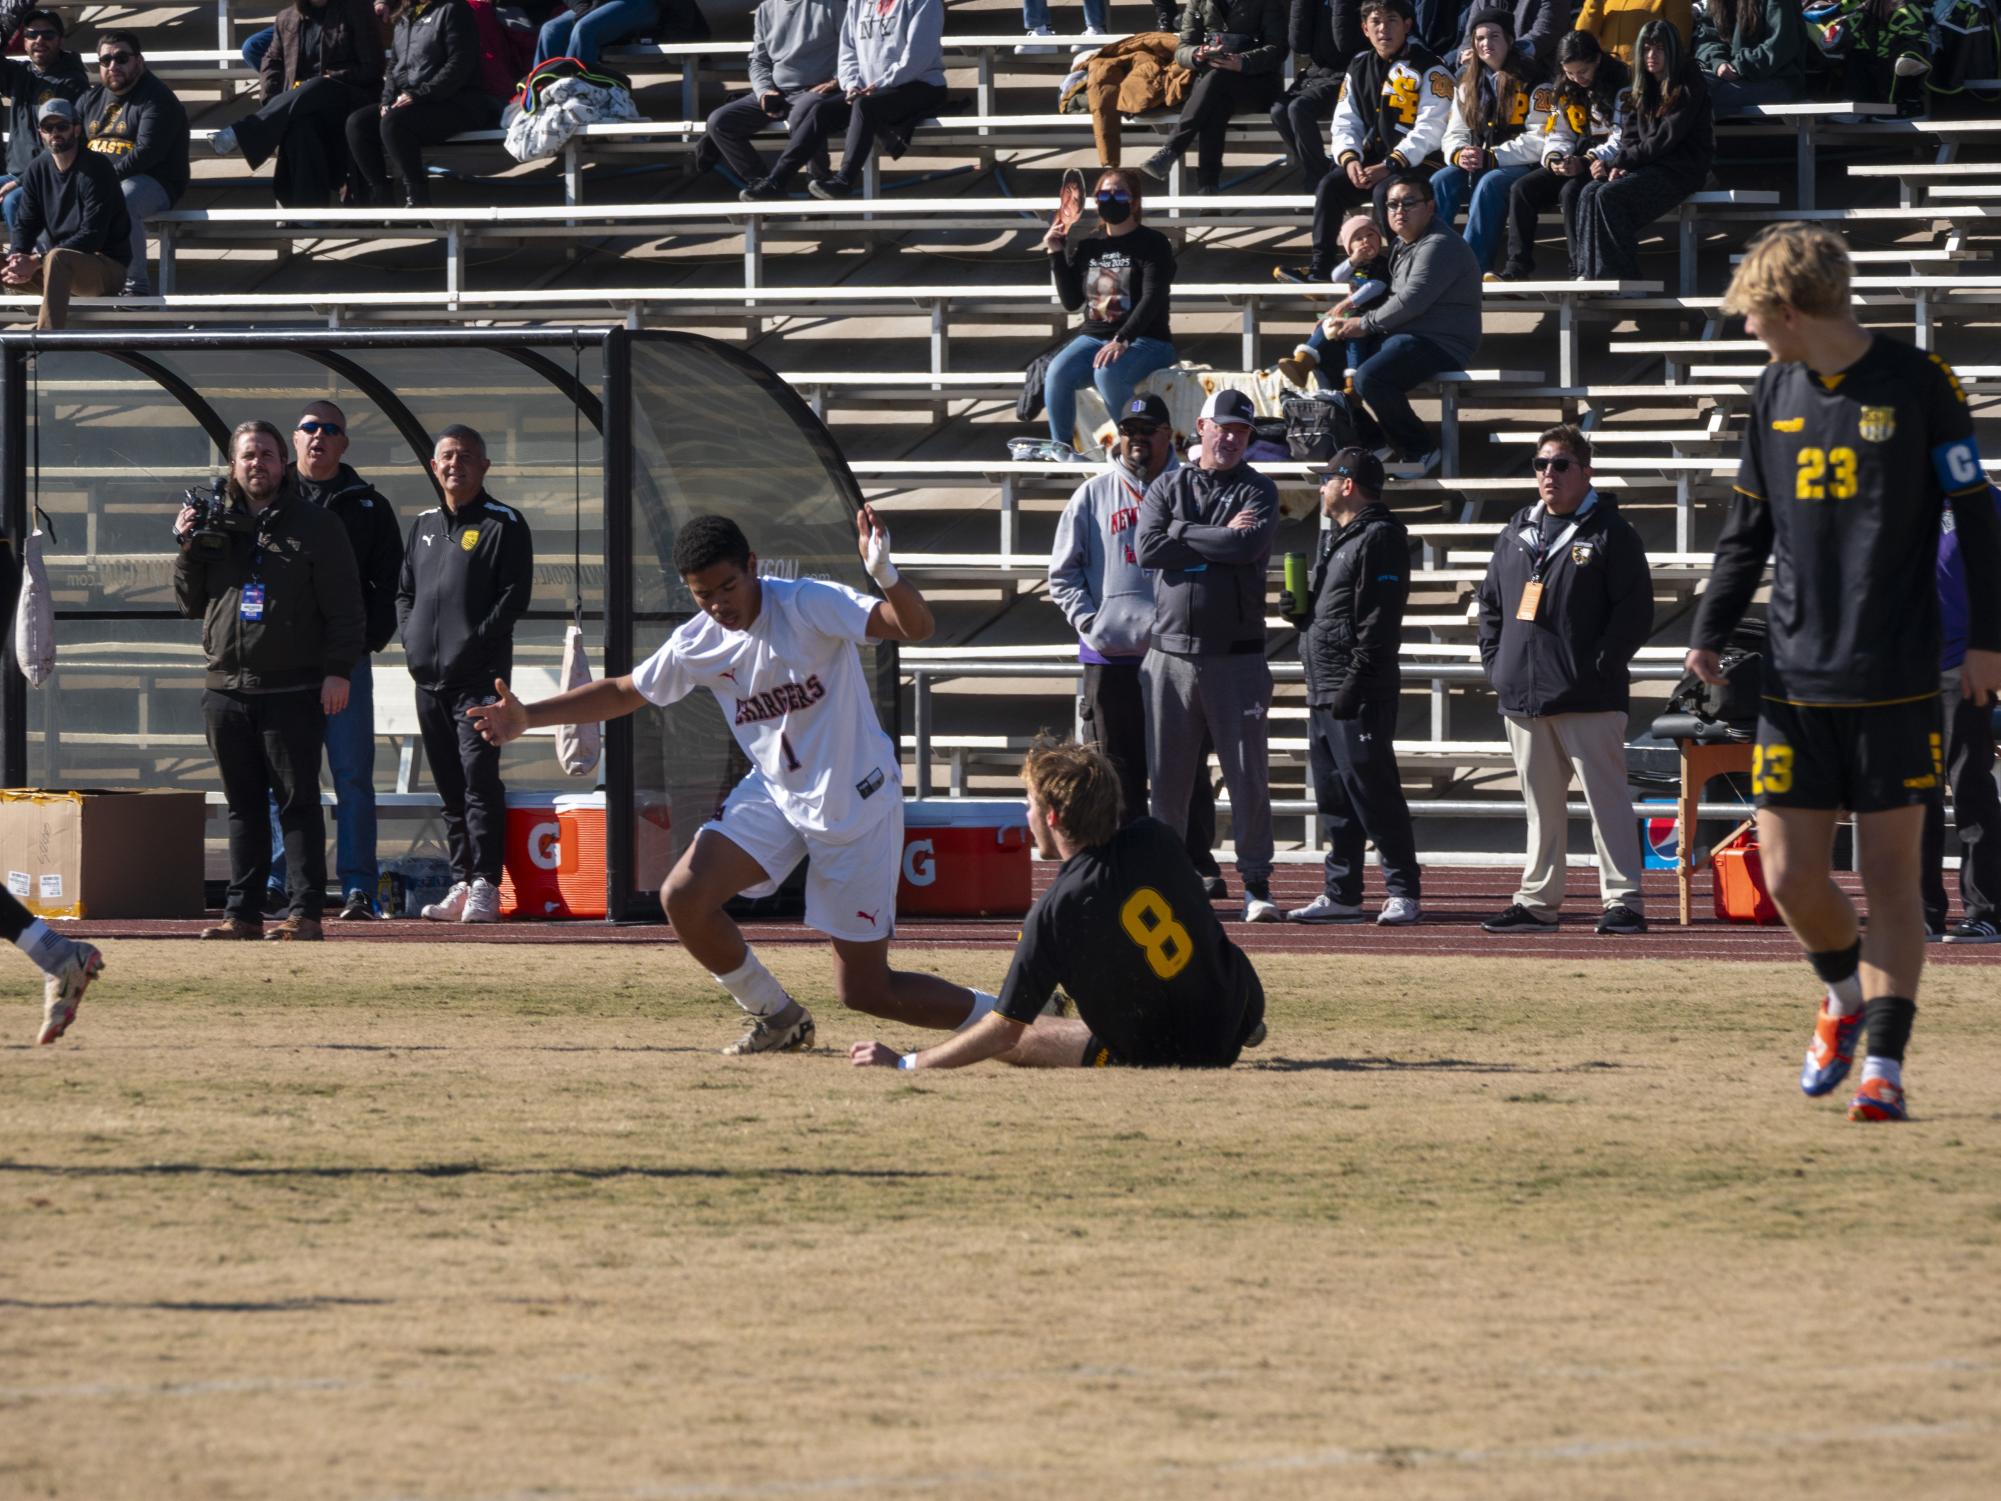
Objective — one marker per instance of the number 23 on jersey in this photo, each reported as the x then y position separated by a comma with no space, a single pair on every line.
1825,474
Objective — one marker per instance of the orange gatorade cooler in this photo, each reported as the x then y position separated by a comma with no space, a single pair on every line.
963,858
553,862
1739,881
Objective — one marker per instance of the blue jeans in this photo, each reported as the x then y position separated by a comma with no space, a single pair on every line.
256,45
1487,219
1035,13
10,206
583,37
1382,384
1071,371
1354,353
143,196
351,760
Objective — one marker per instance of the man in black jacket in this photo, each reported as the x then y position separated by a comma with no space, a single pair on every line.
468,572
51,72
1567,601
1325,36
280,607
1351,626
70,202
136,122
1237,53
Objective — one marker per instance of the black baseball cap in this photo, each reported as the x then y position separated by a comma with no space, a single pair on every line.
44,15
1358,464
1148,409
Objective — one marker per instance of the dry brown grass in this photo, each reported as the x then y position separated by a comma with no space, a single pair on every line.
496,1222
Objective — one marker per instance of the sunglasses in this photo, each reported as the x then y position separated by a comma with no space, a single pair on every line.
312,428
57,124
1394,204
1140,429
41,34
114,59
1115,198
1551,466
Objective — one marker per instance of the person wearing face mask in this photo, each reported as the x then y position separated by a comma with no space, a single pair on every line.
1096,579
1120,278
1208,530
51,72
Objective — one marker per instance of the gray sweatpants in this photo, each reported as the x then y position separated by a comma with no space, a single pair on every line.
1230,696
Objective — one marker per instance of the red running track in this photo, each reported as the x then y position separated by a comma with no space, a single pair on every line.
1457,898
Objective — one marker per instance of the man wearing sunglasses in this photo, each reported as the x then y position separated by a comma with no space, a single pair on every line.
1567,602
51,72
136,123
69,202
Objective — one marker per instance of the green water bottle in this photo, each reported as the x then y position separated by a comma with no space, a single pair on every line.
1295,579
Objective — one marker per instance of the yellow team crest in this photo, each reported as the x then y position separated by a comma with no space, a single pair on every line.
469,539
1879,424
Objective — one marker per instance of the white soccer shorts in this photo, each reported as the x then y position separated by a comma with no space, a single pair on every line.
850,886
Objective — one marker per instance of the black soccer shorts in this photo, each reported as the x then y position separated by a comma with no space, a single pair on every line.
1865,759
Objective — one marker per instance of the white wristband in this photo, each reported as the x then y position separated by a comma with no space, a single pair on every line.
884,572
908,1060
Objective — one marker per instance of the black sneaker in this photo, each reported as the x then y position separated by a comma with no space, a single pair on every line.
1974,930
1619,918
1214,888
1516,271
833,189
761,191
1517,919
1158,165
275,900
1299,275
358,908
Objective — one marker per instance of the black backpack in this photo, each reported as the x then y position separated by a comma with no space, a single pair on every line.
1735,702
1317,426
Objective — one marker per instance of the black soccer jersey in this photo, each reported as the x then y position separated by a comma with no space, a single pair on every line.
1127,930
1842,483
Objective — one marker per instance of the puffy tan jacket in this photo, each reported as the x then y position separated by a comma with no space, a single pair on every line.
1129,77
1395,111
1537,130
1617,23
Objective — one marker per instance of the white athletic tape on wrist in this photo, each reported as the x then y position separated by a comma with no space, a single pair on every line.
908,1060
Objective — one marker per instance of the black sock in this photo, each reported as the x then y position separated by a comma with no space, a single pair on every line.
1835,965
1889,1018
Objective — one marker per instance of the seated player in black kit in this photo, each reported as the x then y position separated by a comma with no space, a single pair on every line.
1126,930
1856,445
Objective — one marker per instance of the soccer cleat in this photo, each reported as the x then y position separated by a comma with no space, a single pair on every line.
482,902
1517,919
1398,912
1323,908
62,992
1974,930
1621,919
787,1037
1830,1054
1879,1100
452,908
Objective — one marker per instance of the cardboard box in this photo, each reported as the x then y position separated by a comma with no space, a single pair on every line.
89,853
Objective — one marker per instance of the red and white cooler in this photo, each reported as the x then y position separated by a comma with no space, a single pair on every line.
964,858
553,861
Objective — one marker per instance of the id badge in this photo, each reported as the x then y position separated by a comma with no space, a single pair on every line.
252,607
1531,600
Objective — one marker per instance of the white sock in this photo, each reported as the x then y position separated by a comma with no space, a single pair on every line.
1845,998
1890,1070
756,989
44,945
982,1004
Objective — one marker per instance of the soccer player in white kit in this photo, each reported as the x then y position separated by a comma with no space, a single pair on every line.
779,656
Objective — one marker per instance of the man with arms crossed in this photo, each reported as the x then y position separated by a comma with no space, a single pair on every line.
1125,929
779,656
1856,445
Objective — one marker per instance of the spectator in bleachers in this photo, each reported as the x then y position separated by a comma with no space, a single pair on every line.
1350,631
1391,117
1236,52
1325,36
1967,756
1366,274
1594,93
1429,323
256,45
584,28
1618,23
1035,21
1886,51
1754,52
1121,278
138,123
1664,154
1539,26
795,58
1208,531
1567,602
324,65
70,203
1505,123
1096,580
892,74
51,72
431,91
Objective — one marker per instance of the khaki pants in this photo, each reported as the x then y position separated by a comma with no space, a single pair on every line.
67,273
1546,749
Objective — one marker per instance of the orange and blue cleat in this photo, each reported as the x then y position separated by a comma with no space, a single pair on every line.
1830,1054
1878,1100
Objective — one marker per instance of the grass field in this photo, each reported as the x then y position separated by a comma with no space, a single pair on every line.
436,1221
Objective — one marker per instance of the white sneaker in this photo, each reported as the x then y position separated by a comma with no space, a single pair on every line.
1096,31
62,992
771,1035
482,902
1398,912
1034,48
1262,909
1323,908
451,909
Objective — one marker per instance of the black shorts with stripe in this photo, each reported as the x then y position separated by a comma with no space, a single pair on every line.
1864,758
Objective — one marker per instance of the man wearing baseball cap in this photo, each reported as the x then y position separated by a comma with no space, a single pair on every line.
50,72
70,202
1350,627
1208,530
1096,579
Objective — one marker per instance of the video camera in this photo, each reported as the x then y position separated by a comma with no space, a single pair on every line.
216,520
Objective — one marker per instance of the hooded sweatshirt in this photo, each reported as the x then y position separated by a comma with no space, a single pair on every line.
1095,575
28,88
795,44
888,43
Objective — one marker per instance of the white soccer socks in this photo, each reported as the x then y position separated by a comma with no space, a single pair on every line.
755,988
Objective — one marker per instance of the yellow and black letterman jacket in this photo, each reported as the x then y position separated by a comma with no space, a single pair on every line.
1392,111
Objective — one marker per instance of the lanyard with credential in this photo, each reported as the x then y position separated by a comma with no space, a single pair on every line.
1540,555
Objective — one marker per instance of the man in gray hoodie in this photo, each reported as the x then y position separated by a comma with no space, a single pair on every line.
1430,321
1096,579
892,72
795,48
1208,531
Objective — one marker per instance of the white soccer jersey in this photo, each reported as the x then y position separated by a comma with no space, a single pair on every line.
792,689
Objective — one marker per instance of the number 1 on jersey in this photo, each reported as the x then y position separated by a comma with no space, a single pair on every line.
1149,922
792,762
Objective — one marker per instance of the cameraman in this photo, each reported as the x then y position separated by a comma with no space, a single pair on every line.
275,583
